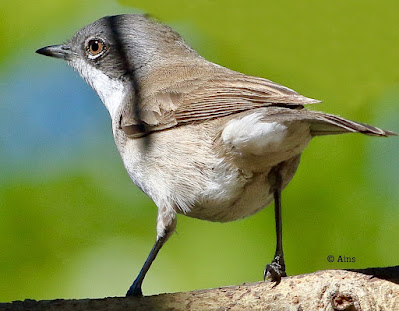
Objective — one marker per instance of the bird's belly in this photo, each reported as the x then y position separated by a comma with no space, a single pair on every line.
240,195
203,185
243,201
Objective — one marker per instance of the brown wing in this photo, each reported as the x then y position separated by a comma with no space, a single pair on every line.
224,97
198,99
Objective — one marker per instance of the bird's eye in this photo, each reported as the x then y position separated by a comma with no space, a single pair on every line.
95,47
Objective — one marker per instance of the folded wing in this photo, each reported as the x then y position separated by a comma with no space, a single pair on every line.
199,99
199,95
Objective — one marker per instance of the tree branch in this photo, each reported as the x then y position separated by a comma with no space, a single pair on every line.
361,289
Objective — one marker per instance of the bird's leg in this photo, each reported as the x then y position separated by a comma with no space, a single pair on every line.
276,270
164,232
135,288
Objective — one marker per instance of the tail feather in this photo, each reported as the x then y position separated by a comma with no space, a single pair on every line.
327,124
323,123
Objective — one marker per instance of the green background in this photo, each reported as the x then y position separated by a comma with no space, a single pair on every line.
73,225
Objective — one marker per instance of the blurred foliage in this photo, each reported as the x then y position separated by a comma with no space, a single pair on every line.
73,225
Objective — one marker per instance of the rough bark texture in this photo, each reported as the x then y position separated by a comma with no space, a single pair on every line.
363,289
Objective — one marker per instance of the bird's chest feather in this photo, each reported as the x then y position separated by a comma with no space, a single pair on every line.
217,191
186,173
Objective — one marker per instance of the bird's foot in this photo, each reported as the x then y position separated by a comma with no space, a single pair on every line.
276,270
135,290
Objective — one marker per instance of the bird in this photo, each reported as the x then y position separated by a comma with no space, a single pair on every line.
198,138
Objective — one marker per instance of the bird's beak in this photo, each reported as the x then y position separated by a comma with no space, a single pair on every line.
58,51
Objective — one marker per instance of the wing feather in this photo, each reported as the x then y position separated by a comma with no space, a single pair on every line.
203,98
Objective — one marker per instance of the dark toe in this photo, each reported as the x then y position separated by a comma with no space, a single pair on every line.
134,291
274,271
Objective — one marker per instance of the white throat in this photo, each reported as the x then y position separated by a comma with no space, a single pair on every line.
111,91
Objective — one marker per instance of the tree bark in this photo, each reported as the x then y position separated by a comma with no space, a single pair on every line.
362,289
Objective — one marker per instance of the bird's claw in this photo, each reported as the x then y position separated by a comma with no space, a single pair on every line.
275,271
135,290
